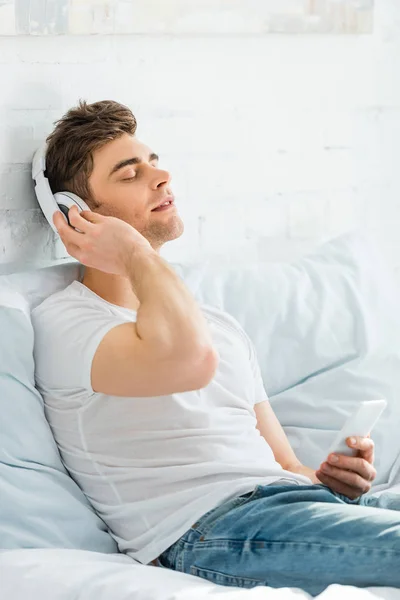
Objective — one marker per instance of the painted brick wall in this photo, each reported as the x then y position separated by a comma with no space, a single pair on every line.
275,142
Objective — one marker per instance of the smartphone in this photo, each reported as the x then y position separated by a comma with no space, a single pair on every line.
359,423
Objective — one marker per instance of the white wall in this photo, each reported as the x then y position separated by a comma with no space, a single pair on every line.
275,143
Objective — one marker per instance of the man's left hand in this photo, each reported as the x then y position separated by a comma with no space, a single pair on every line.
351,476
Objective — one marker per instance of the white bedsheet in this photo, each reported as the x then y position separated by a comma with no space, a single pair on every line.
63,574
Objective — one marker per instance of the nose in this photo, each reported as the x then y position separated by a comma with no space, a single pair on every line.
160,177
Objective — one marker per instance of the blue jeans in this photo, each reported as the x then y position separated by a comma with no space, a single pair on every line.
285,535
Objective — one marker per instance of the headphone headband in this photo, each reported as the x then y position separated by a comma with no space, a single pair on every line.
49,202
39,162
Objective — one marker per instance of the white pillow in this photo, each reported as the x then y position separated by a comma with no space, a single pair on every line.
38,284
326,328
41,506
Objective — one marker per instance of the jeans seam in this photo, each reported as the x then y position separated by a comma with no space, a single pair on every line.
229,541
194,570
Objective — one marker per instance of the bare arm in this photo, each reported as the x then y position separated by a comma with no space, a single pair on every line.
169,348
168,316
273,433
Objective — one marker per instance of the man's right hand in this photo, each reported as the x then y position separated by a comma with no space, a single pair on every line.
106,243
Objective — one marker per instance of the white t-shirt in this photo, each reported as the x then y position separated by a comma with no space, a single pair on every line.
151,466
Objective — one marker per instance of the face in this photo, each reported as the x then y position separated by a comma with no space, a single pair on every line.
127,183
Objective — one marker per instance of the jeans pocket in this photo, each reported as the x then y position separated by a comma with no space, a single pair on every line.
224,579
205,524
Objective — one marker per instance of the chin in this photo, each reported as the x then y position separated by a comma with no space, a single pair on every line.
162,236
174,234
179,230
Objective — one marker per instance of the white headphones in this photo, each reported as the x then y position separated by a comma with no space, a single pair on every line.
49,202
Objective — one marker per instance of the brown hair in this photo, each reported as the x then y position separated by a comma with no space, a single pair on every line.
83,129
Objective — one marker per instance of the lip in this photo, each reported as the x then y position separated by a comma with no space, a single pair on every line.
167,199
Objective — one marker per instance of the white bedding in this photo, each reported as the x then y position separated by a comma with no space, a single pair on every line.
64,574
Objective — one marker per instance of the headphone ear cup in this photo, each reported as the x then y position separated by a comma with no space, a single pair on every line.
64,209
70,199
65,202
49,202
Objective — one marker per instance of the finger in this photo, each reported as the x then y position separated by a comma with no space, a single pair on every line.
67,234
360,443
357,464
59,219
91,216
350,478
338,486
365,445
76,219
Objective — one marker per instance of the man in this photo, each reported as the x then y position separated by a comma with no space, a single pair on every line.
158,406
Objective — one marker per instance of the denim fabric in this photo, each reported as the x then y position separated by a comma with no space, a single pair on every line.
285,535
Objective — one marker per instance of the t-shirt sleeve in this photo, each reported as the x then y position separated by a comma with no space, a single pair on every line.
65,344
259,391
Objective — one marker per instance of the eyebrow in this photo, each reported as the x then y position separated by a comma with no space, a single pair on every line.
135,160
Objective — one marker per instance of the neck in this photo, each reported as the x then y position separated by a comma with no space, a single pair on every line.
113,288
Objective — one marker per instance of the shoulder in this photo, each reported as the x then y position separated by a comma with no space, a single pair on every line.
68,327
225,320
74,309
71,298
58,307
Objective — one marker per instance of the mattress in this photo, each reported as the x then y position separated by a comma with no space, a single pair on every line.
63,574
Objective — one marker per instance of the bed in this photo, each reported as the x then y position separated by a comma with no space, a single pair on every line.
327,335
80,575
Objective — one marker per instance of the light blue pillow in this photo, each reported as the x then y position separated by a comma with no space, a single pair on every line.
40,505
326,328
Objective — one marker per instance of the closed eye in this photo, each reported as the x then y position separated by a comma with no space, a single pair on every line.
134,176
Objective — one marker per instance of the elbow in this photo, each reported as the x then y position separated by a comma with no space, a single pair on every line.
205,366
195,367
212,362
